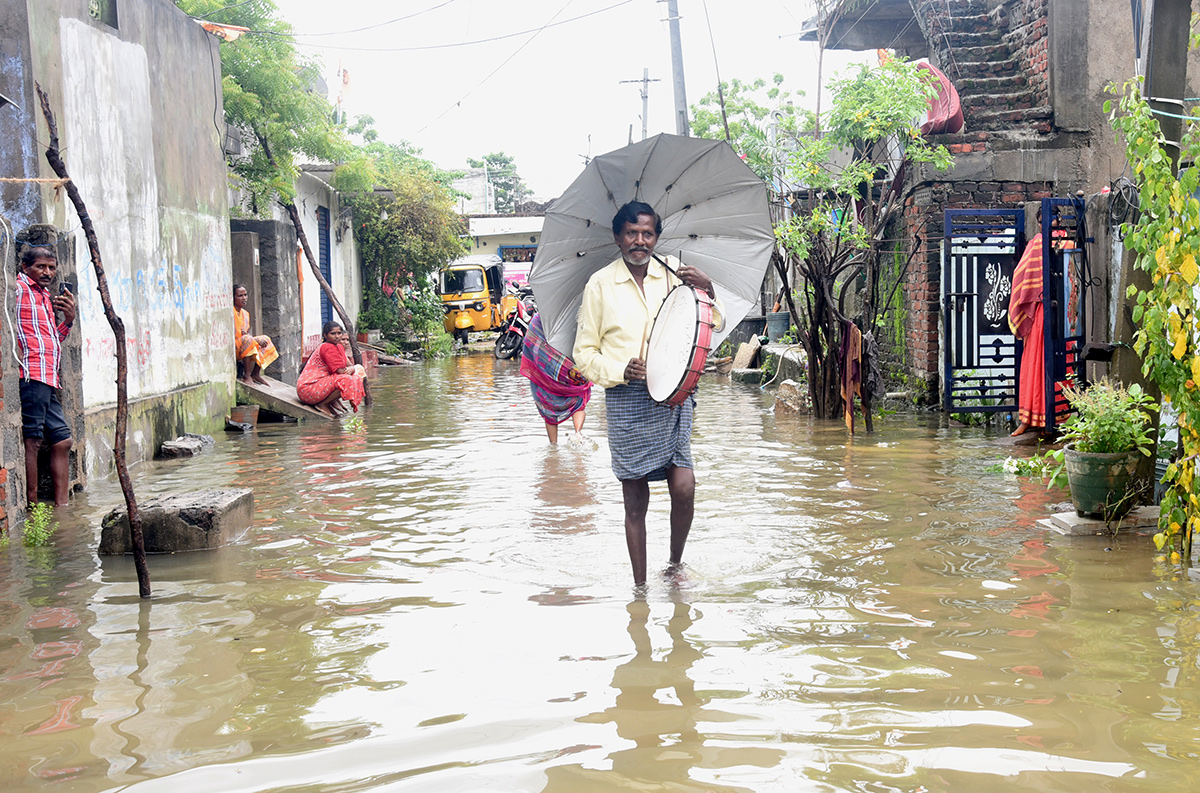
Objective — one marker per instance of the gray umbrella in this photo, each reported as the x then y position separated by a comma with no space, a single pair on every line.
714,212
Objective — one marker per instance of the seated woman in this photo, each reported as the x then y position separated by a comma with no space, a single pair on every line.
254,353
329,376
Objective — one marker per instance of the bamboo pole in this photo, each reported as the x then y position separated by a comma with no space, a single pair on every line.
54,158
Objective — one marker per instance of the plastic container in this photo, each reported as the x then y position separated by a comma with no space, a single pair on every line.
778,323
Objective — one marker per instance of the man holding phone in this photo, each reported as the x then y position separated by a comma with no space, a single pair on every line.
40,338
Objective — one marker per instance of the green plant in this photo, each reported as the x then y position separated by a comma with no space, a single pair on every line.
840,235
1109,419
768,368
1165,236
437,343
39,525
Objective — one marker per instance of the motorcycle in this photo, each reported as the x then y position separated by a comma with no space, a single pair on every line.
512,332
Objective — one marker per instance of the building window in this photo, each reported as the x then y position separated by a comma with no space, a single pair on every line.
104,11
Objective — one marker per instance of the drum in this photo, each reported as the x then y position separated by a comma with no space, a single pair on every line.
679,345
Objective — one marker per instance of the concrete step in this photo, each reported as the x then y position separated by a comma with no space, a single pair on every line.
963,68
1009,83
279,397
1022,100
1007,119
1142,520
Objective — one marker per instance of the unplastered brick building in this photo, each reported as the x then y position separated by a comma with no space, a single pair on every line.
1031,78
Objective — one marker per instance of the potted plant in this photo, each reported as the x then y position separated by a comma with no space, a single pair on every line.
1105,440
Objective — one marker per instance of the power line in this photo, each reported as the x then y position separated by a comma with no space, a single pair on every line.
368,27
505,62
443,46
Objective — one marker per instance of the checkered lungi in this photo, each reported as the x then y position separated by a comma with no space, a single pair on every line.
646,438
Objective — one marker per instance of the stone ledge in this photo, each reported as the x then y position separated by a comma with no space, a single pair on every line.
1070,524
196,521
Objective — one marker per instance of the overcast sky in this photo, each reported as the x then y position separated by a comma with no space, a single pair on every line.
548,97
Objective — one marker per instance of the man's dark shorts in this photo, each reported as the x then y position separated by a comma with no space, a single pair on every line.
41,412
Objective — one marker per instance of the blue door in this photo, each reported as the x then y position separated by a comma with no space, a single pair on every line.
323,260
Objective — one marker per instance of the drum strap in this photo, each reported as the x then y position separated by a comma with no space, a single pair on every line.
663,262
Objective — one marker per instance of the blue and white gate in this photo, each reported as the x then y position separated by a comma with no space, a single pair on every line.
980,250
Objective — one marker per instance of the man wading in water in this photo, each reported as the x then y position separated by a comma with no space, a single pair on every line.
649,442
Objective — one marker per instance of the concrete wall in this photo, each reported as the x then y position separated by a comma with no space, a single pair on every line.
246,272
345,272
138,108
280,288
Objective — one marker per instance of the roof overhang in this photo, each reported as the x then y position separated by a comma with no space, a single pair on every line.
510,224
883,24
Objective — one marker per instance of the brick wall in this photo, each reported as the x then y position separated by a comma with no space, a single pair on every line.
920,360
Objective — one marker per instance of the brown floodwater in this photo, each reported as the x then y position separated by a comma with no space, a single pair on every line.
440,601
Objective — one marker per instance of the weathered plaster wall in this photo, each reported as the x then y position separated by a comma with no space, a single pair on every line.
345,273
278,281
137,107
12,472
19,153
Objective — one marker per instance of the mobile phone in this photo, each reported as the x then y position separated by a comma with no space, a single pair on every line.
64,288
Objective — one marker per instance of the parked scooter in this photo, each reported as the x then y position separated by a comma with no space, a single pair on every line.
516,325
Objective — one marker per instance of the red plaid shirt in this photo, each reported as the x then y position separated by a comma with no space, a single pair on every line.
39,335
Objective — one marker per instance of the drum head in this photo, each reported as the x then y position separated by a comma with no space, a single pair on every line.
672,342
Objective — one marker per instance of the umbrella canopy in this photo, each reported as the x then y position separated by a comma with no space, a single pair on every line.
714,213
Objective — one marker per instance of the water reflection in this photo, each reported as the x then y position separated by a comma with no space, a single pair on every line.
439,601
658,710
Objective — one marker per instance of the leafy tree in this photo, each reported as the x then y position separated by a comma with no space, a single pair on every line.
756,118
268,97
1166,239
846,192
502,175
406,233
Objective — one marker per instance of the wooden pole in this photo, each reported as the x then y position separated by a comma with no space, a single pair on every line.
118,328
294,214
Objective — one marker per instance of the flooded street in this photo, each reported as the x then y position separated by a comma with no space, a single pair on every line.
440,601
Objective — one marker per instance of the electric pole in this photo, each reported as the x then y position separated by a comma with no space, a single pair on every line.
681,116
645,81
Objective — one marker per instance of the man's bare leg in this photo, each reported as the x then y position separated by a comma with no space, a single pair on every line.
636,494
32,445
681,483
59,471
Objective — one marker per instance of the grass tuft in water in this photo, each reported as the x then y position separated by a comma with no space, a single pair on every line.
39,526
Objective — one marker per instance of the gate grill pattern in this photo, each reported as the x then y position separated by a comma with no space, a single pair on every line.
979,253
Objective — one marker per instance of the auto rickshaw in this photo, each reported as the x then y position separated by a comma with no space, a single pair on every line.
473,295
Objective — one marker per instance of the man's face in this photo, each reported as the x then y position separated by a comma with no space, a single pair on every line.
637,240
42,271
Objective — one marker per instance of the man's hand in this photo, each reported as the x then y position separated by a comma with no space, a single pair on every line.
635,370
66,304
696,278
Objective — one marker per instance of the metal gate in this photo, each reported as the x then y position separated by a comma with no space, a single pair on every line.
1065,274
982,359
980,251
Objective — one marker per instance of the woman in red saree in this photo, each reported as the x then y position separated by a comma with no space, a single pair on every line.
559,391
329,376
1027,323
